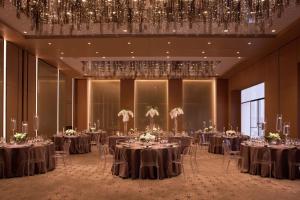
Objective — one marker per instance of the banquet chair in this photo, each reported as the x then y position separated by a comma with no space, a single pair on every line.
64,153
229,154
38,157
2,163
203,142
149,161
264,157
119,159
293,162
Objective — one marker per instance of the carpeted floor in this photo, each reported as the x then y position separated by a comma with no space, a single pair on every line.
85,178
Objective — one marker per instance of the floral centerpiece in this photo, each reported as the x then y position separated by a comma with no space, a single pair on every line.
230,133
70,132
273,138
126,114
20,137
147,137
174,113
151,113
209,129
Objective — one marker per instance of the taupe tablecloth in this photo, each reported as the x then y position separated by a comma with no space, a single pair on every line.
186,141
133,153
79,144
112,140
16,156
207,136
216,141
279,154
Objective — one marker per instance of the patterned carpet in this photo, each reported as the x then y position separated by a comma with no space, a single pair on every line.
87,177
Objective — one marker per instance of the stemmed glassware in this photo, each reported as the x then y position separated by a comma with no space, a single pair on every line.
36,124
279,123
13,125
24,127
286,130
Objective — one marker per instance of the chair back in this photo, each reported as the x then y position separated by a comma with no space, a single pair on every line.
226,146
186,150
149,157
67,144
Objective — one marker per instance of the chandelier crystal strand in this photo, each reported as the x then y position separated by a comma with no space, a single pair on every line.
149,69
150,16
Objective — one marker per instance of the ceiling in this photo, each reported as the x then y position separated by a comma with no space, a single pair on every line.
66,51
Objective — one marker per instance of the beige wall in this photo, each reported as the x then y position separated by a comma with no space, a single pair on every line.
280,72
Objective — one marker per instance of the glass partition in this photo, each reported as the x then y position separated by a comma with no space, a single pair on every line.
47,99
198,103
105,103
151,93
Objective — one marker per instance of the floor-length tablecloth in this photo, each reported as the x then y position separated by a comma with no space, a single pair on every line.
79,144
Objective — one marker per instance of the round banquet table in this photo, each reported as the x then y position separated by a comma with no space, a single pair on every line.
15,157
185,141
112,140
166,154
198,136
281,154
79,144
94,135
216,141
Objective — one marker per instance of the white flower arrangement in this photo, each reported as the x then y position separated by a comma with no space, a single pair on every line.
20,137
231,133
146,137
152,112
70,132
126,114
209,129
175,112
273,136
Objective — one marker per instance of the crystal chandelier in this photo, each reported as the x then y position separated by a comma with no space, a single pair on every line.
151,16
149,69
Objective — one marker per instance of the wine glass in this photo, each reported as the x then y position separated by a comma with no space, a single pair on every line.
286,130
24,127
36,124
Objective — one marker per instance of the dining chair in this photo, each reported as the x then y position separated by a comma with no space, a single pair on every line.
2,163
264,157
38,157
149,158
204,141
294,163
120,158
64,154
229,154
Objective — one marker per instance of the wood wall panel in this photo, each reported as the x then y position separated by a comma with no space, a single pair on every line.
280,72
175,100
1,85
222,103
127,99
80,116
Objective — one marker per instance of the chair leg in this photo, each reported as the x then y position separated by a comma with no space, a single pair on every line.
157,167
228,165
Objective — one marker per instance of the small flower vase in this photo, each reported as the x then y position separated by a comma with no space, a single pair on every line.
125,128
175,126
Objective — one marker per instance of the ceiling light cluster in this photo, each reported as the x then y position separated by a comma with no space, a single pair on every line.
149,69
151,16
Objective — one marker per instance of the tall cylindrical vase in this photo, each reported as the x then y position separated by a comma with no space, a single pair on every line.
125,128
175,126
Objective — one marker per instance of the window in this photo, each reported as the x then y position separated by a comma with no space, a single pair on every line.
253,110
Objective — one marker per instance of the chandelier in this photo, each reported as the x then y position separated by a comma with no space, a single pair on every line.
151,16
149,69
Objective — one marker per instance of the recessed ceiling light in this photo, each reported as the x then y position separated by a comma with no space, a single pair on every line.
49,43
125,30
61,58
249,43
129,43
226,30
239,57
203,52
89,43
209,43
169,42
167,52
97,52
131,52
237,52
25,32
62,53
204,57
103,57
273,31
132,57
